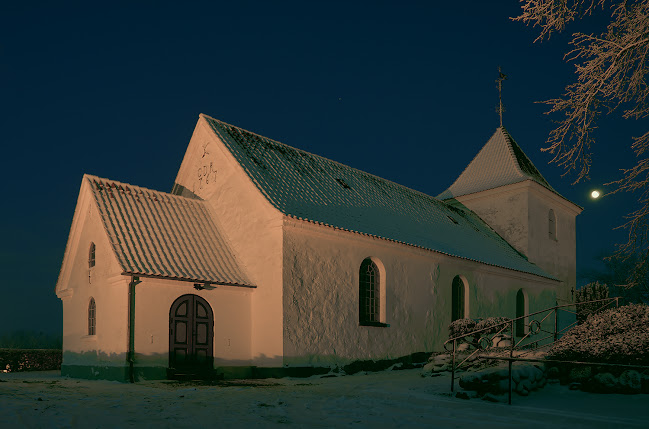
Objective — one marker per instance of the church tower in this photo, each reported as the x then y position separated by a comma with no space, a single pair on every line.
504,188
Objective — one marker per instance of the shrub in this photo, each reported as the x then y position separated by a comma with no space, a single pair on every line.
461,327
13,360
618,335
495,324
590,292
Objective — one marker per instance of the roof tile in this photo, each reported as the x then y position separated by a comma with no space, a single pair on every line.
163,235
500,162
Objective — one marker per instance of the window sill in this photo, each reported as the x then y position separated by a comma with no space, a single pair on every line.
89,338
375,324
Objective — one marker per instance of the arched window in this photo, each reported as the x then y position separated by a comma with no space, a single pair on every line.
92,317
458,300
552,225
369,303
91,256
522,308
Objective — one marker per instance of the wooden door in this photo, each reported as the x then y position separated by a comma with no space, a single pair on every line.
191,334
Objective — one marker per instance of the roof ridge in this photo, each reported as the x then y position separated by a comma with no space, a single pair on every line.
398,185
92,176
508,141
512,147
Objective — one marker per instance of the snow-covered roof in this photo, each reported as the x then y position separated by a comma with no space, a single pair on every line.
500,162
163,235
316,189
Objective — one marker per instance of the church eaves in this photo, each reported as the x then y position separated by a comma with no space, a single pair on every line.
500,162
155,234
315,189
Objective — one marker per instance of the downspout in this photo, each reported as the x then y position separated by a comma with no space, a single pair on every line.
131,327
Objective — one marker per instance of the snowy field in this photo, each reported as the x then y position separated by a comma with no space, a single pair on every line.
376,400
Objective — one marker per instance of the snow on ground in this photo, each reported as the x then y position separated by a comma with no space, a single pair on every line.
374,400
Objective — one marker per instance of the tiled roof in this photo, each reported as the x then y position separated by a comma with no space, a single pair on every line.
163,235
313,188
500,162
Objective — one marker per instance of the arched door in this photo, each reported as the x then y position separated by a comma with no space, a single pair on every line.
191,334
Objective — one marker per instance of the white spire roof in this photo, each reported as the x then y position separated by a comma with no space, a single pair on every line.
500,162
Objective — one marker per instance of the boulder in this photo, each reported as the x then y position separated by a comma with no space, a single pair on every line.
645,384
524,387
606,379
630,381
501,341
462,395
579,374
552,373
502,386
603,382
442,359
538,373
428,370
471,381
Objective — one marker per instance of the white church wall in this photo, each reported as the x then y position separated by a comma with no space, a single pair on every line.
519,213
505,209
253,228
84,354
321,325
232,328
555,254
321,321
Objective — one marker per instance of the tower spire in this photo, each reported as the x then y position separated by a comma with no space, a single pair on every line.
502,76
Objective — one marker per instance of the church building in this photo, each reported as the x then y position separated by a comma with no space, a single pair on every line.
265,257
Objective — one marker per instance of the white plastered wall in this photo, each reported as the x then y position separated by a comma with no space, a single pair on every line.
519,213
253,228
103,282
230,306
505,209
321,324
556,255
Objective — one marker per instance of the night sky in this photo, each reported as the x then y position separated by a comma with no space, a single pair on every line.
401,89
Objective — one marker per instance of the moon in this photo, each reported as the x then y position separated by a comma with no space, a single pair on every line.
595,194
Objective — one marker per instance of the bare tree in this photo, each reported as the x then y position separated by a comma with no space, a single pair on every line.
611,76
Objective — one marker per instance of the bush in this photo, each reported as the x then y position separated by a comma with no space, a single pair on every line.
496,325
590,292
461,327
618,335
12,360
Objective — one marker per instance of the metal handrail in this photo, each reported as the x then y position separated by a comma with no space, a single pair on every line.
513,344
538,312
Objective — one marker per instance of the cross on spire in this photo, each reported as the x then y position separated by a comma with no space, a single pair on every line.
502,76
